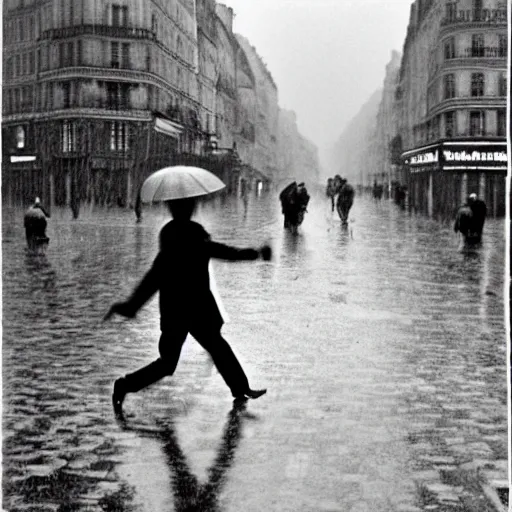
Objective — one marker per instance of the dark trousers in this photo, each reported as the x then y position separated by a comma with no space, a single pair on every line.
170,348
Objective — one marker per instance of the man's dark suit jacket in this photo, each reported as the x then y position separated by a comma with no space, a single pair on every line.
180,274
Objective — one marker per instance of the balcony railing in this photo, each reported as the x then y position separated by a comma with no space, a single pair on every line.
488,52
99,30
484,16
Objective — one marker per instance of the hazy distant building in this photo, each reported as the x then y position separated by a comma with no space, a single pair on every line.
451,104
226,83
354,155
267,112
297,156
386,126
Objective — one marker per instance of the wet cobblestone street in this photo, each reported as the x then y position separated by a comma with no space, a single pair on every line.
382,346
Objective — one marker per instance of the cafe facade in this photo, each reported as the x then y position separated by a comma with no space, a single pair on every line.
440,176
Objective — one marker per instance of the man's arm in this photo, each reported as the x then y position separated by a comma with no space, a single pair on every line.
142,293
226,252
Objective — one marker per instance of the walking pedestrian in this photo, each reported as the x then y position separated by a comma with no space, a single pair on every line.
479,210
35,225
187,305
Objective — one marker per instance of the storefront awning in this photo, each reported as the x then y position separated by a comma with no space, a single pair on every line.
168,127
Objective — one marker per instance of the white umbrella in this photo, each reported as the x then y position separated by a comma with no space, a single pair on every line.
179,182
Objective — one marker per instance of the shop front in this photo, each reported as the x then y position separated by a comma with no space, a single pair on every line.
442,175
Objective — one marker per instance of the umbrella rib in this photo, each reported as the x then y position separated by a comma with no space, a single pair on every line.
199,183
157,189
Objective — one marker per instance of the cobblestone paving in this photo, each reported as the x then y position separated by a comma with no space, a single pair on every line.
382,346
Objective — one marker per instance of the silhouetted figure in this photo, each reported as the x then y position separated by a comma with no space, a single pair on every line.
378,190
35,226
294,202
345,201
479,209
187,305
331,192
138,208
75,206
470,220
338,183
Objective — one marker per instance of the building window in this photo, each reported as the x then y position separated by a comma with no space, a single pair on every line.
17,66
449,86
117,95
119,132
9,68
49,95
68,136
119,16
148,58
65,54
449,124
31,63
451,10
477,45
20,137
153,23
115,53
502,122
17,100
477,123
502,86
449,48
477,84
477,10
79,53
126,55
66,95
502,46
26,99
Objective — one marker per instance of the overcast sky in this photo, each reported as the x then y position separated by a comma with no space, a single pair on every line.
326,56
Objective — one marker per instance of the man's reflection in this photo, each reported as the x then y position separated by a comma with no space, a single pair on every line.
189,494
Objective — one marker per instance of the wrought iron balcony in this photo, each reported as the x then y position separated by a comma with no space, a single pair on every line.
99,30
481,17
487,52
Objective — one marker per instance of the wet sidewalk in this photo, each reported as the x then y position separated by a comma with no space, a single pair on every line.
383,349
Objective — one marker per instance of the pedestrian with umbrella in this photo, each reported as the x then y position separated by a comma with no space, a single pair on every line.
180,274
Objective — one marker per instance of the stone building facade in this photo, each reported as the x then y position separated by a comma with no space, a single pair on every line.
84,104
267,112
297,156
98,94
451,104
386,128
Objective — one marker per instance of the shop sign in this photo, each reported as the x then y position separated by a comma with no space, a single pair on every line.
430,157
475,156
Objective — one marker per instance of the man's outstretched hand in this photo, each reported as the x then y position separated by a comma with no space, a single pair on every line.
266,252
120,308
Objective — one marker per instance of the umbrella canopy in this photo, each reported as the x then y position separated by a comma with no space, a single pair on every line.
179,182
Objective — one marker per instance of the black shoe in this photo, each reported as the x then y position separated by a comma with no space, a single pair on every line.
255,393
119,394
250,393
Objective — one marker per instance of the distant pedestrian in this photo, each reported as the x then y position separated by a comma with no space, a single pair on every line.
138,208
331,191
345,201
35,225
294,202
479,209
470,219
187,305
